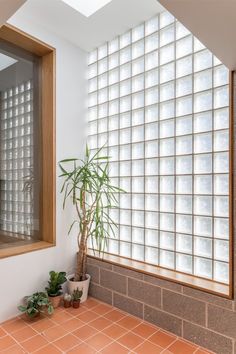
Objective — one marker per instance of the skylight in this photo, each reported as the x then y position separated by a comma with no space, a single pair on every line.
87,7
6,61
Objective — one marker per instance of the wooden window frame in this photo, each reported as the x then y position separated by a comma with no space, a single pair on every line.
47,54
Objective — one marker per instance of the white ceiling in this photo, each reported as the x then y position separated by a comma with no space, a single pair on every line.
6,61
113,19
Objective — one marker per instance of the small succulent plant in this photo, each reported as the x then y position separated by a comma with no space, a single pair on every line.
67,297
76,296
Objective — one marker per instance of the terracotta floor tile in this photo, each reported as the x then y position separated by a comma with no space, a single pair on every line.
114,315
203,351
180,347
2,332
129,322
87,316
23,334
72,324
162,339
16,349
83,348
49,349
114,331
43,324
13,325
144,330
84,332
99,341
115,348
74,312
148,348
6,342
130,340
34,343
54,333
66,342
60,317
90,303
102,309
100,323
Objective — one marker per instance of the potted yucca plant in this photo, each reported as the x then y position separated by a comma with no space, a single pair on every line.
88,187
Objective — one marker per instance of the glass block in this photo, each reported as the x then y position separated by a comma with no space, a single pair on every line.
203,226
167,35
125,217
137,134
167,259
167,128
184,66
221,97
202,143
113,138
92,142
138,218
138,151
125,249
102,139
137,235
221,140
138,202
221,184
184,204
138,168
184,86
151,167
202,60
167,184
167,222
184,184
203,267
102,80
203,184
125,152
137,117
167,54
152,25
151,202
125,104
92,57
113,123
221,228
125,39
167,91
181,31
114,215
167,240
202,122
151,113
151,43
92,85
151,78
198,45
167,203
184,263
138,100
125,71
221,250
221,118
102,95
113,107
125,233
151,255
221,76
221,272
203,205
166,19
125,87
92,71
203,101
216,61
138,83
102,125
151,149
221,162
137,66
113,61
125,136
125,169
138,185
183,125
203,247
167,110
92,99
167,72
125,55
138,252
184,145
92,128
113,76
184,224
167,147
151,184
137,33
102,51
184,46
125,120
167,166
113,246
183,243
102,66
113,46
113,153
203,163
151,60
221,206
125,184
137,49
203,80
151,96
183,165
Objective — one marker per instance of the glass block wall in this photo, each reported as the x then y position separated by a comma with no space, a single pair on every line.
16,163
159,101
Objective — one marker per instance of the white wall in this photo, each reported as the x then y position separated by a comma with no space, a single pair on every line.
21,275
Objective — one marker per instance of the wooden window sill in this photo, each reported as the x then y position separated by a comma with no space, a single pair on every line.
17,250
208,286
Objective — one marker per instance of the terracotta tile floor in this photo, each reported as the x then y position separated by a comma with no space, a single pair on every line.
93,328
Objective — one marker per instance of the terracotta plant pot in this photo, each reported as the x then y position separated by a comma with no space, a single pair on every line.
76,304
55,300
67,303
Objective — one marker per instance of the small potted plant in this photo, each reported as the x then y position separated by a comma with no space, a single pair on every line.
67,300
36,304
54,289
76,296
